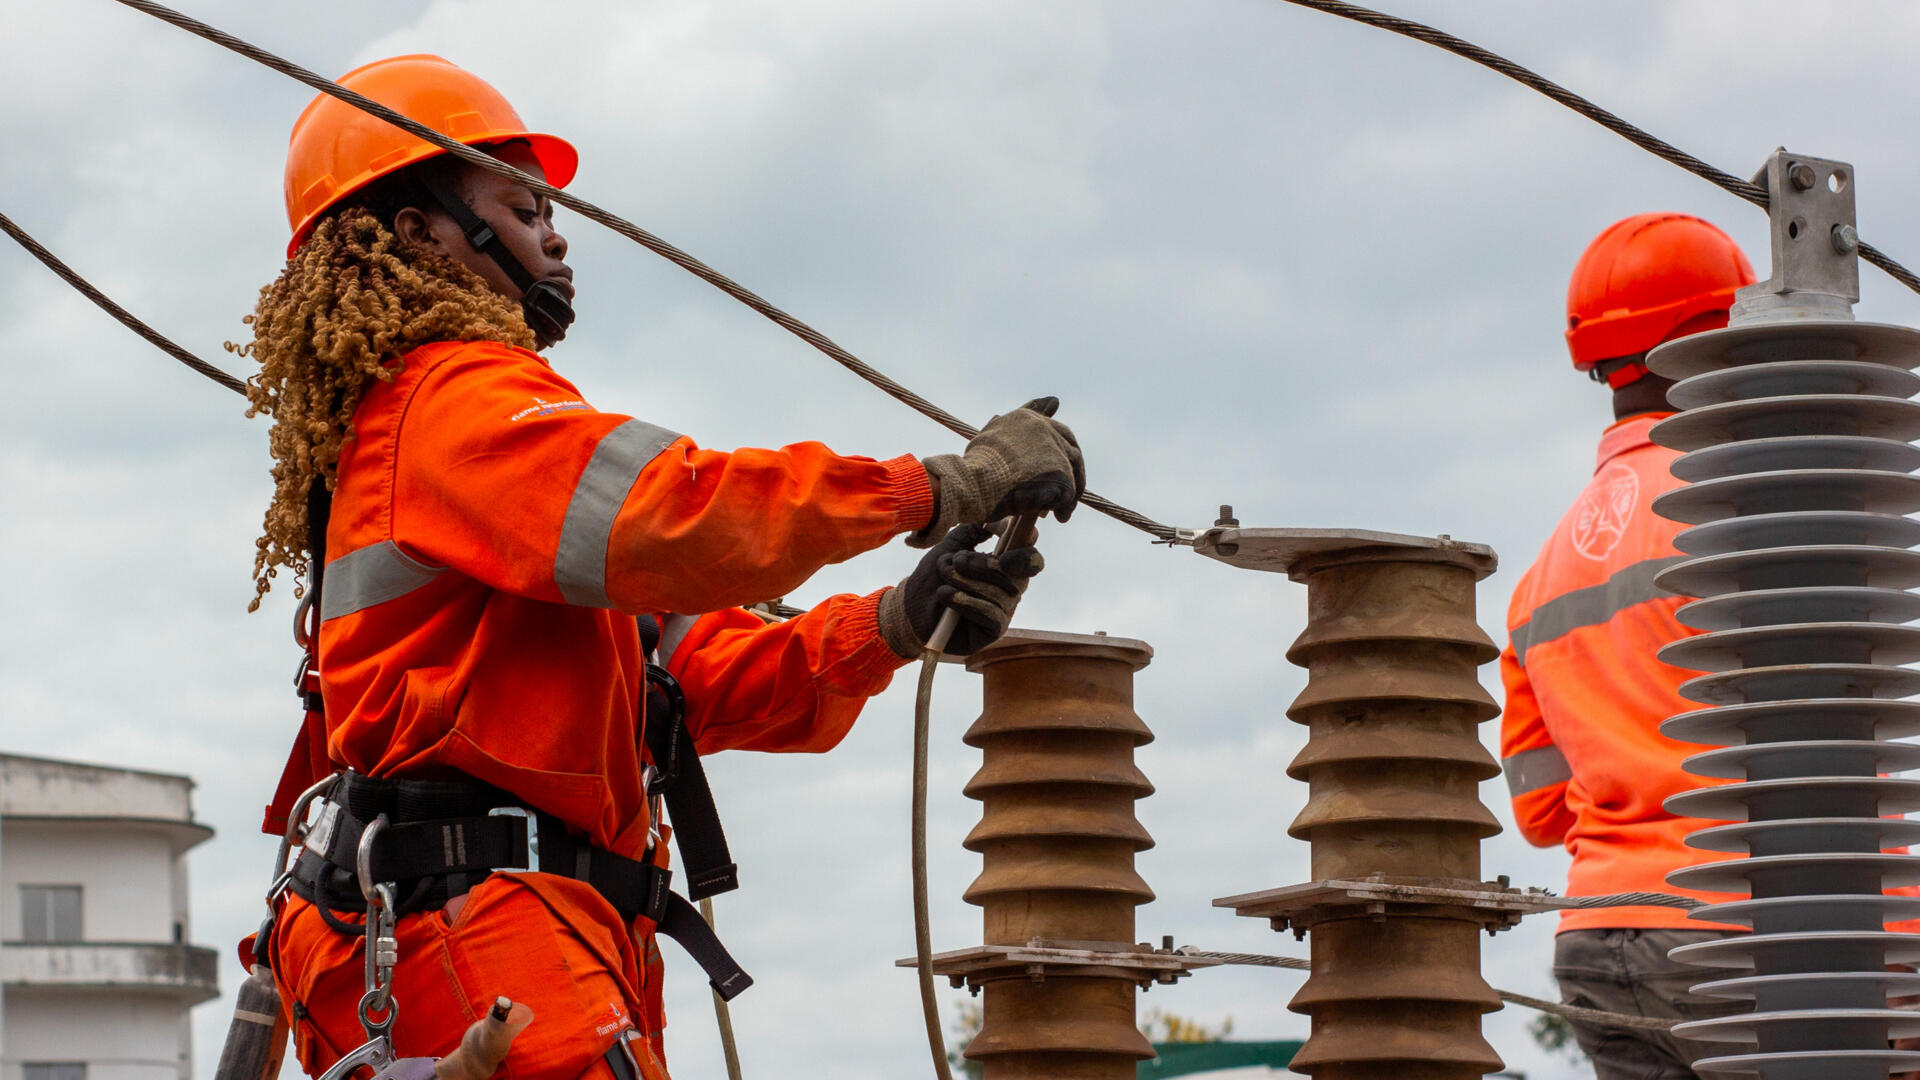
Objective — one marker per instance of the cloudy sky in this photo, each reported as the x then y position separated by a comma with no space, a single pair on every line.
1264,256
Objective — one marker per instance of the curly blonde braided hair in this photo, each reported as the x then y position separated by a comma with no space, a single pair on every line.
351,303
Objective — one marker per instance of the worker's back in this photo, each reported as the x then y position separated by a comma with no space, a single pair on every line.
1585,695
1586,692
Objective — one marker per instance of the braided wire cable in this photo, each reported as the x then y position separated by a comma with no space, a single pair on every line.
1658,147
1597,1017
1632,899
106,304
646,239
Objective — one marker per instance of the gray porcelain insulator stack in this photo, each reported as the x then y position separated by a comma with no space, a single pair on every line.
1800,476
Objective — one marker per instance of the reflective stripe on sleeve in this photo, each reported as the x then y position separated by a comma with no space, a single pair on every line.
372,575
1531,770
580,565
1591,606
673,631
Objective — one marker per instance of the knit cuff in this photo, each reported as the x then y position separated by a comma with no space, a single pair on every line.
896,629
955,484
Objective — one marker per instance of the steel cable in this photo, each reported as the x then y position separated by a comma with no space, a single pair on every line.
1571,1012
106,304
628,229
1660,148
723,1015
922,925
1632,899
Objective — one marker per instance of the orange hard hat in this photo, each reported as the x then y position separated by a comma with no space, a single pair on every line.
1647,279
336,149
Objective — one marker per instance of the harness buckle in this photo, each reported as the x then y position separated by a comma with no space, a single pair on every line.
319,839
533,835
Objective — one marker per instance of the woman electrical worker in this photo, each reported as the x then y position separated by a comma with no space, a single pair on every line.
500,560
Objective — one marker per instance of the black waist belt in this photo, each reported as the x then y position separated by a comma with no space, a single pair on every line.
442,839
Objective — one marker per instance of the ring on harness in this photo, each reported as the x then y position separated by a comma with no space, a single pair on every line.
443,838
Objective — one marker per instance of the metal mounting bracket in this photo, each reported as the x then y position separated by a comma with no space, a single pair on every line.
1300,907
1816,249
1040,959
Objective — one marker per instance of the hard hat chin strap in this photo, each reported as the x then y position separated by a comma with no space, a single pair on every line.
546,307
1621,371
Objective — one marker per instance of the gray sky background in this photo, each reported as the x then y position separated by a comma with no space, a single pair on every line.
1264,256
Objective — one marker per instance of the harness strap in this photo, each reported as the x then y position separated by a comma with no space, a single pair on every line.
307,761
709,865
444,857
682,781
404,852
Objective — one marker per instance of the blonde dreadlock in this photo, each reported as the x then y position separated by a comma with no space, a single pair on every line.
353,300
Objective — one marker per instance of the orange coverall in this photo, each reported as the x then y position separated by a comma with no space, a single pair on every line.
1580,741
492,537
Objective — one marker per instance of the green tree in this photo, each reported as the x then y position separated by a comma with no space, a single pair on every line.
1160,1026
1553,1034
966,1024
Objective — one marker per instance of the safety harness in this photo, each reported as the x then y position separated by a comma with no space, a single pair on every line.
437,839
441,839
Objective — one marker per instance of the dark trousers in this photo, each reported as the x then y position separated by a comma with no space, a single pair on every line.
1627,971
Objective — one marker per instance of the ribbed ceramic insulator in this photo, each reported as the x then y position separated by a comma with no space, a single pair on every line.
1799,473
1057,837
1393,762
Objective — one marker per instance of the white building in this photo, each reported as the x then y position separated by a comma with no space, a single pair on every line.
96,976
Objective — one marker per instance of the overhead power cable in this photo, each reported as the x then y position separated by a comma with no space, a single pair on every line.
655,244
106,304
1660,148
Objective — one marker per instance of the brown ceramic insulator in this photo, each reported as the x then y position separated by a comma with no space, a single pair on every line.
1057,836
1396,998
1393,763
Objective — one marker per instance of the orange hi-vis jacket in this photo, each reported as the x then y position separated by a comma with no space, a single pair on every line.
492,538
1580,740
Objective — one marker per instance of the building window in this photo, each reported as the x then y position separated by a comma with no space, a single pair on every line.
55,1070
51,913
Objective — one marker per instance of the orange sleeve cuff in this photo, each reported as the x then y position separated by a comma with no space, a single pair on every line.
908,482
873,660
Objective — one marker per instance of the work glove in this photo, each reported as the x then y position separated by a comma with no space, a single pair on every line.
1022,462
984,589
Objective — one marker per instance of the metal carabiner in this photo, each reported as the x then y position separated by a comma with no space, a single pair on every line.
382,950
363,859
296,833
376,1054
382,953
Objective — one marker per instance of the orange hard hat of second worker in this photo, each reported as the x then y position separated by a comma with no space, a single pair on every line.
1648,279
336,149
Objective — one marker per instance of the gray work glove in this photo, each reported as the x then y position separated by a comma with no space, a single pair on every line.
1022,462
983,588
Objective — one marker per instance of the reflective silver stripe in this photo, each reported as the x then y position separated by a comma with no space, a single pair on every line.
1591,606
372,575
580,565
1531,770
673,630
